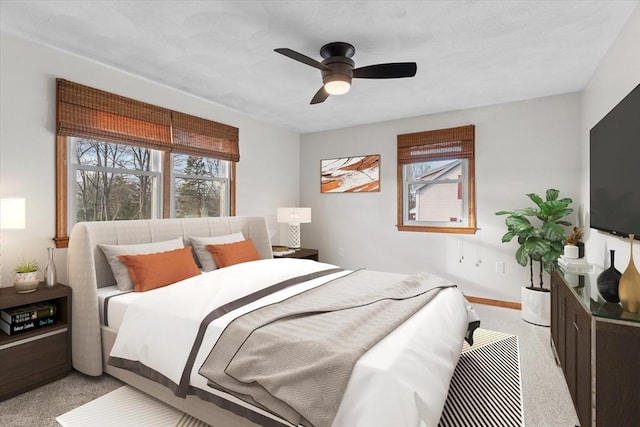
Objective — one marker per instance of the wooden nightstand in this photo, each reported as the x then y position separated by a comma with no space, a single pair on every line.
35,357
302,253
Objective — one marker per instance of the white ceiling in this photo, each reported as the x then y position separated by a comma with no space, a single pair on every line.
469,53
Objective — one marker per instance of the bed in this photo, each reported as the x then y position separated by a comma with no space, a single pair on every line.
159,342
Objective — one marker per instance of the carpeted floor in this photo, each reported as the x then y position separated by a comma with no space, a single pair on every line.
546,397
40,407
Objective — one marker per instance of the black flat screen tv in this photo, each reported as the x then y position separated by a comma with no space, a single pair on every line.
615,169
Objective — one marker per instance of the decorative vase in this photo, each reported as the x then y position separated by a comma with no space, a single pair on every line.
580,246
608,281
571,251
629,288
50,277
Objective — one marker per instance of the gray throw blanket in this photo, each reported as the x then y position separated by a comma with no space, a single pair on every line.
295,358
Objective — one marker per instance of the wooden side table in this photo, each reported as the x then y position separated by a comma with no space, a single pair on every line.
35,357
302,253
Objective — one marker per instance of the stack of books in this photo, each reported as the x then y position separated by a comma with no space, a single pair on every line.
574,265
24,318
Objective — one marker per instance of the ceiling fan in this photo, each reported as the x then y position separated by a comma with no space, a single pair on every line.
337,69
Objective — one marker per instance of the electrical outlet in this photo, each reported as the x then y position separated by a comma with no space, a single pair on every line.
340,251
499,267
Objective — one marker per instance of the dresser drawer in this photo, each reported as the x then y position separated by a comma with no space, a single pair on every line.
28,364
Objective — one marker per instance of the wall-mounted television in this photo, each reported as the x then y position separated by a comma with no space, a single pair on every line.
615,169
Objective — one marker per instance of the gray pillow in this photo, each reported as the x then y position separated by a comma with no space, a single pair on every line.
204,256
119,270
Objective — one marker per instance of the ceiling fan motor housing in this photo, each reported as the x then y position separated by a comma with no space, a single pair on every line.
340,68
337,57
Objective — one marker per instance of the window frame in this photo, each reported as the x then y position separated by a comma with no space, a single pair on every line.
65,169
226,181
73,166
412,148
82,111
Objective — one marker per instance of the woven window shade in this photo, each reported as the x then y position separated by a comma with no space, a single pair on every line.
199,137
91,113
442,144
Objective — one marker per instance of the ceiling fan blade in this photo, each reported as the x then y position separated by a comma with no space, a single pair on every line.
301,58
320,96
393,70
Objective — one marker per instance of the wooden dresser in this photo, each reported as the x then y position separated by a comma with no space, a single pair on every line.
598,347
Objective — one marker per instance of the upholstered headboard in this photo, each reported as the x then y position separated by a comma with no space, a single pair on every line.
88,269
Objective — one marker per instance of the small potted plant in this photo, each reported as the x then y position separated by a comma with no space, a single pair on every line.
26,279
576,247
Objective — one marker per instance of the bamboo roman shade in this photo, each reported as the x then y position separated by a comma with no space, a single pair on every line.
442,144
199,137
91,113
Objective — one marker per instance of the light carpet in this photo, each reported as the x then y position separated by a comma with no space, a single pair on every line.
485,391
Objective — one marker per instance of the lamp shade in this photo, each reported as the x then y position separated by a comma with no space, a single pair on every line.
294,215
12,213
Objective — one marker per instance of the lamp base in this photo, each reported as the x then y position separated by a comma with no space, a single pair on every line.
294,236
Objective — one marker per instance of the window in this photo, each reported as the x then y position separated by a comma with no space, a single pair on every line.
112,181
118,158
436,181
200,186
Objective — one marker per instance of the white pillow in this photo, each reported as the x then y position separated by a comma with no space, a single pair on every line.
204,256
119,270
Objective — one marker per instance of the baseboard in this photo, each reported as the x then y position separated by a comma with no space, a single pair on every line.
495,302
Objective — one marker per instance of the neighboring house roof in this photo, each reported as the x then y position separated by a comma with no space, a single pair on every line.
435,174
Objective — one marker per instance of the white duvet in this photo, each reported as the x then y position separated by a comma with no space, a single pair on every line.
401,381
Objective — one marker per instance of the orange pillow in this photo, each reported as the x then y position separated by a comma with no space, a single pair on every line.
233,253
150,271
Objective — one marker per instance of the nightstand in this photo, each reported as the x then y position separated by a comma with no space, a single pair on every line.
35,357
302,253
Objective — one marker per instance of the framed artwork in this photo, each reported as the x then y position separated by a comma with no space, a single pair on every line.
350,174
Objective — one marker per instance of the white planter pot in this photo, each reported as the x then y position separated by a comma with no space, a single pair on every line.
26,282
536,307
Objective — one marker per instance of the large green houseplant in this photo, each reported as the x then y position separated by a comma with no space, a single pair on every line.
539,231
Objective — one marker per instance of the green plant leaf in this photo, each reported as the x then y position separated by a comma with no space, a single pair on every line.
536,247
535,198
507,237
553,231
517,224
522,256
552,194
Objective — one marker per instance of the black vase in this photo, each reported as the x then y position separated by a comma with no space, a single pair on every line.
608,281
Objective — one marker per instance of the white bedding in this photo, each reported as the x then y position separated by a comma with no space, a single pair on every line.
116,305
409,369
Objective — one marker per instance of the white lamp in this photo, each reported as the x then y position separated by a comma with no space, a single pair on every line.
12,213
294,217
12,216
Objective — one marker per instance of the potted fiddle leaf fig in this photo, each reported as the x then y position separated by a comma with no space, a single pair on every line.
540,234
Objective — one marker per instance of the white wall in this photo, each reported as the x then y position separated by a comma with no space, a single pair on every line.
266,174
521,147
617,74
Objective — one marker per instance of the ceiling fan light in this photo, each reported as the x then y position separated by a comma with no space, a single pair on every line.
337,85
